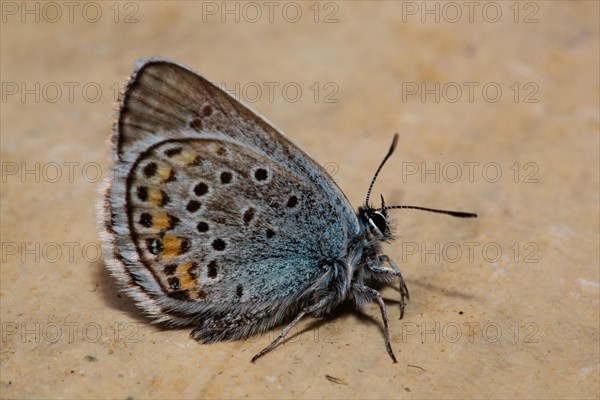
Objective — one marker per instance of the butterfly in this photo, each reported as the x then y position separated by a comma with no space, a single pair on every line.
213,218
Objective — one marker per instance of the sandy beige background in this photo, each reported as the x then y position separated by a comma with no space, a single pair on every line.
504,306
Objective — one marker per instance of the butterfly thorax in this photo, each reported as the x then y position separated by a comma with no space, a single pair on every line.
346,273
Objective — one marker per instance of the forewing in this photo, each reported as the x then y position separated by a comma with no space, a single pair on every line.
166,100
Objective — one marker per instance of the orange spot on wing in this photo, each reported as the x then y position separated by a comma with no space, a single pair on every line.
155,196
160,220
171,246
184,158
185,279
164,172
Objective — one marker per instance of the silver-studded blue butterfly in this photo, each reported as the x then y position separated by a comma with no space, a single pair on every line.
215,219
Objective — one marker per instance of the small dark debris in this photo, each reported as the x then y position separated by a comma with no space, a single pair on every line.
416,366
333,379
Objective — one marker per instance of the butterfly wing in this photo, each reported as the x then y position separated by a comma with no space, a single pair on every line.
213,216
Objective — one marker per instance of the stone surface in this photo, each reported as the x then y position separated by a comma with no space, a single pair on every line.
504,306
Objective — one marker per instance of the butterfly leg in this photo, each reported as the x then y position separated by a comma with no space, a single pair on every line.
285,331
375,294
403,289
395,272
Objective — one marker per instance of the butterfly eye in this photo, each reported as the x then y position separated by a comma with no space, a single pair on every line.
378,223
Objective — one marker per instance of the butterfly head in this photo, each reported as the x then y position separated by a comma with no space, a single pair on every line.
376,221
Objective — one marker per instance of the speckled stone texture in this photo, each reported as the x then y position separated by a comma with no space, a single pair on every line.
497,106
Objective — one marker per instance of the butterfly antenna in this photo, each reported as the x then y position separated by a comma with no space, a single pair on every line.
389,153
458,214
